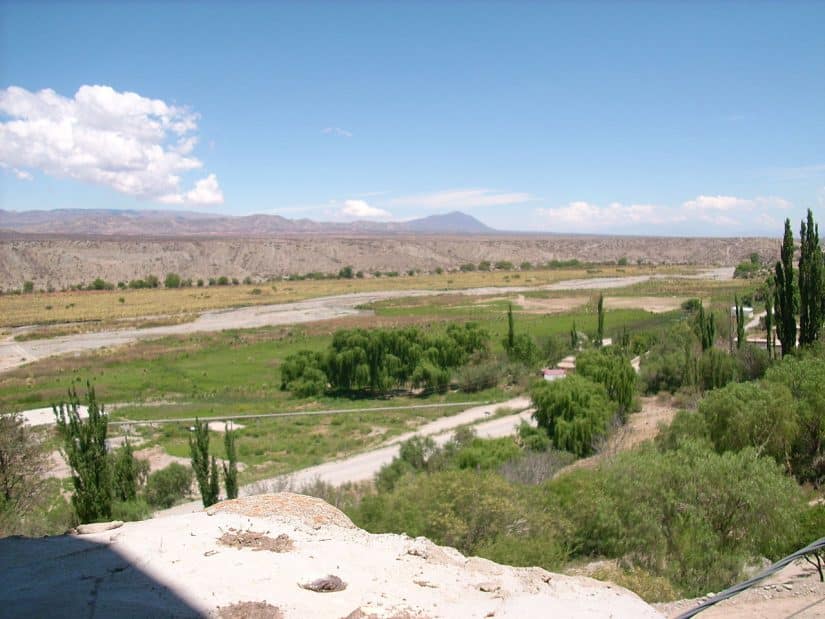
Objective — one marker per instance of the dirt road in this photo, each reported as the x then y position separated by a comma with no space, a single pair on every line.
14,354
364,466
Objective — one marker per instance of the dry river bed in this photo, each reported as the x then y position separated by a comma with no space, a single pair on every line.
14,354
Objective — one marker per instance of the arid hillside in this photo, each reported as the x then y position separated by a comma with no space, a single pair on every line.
54,261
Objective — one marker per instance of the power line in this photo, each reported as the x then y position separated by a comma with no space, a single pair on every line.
735,589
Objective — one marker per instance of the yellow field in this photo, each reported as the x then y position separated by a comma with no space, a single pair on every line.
113,306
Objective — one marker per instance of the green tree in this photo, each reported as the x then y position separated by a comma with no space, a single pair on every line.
769,322
511,332
613,371
172,280
740,323
28,286
199,454
574,337
126,473
346,273
84,446
230,467
810,282
707,328
785,294
214,482
575,411
600,327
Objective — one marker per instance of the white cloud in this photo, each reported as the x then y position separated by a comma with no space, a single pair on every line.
462,199
133,144
715,203
360,208
732,203
586,216
341,133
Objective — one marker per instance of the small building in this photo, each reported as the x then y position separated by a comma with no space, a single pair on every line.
551,374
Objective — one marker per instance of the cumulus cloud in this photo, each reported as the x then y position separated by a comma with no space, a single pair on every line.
130,143
462,199
360,208
341,133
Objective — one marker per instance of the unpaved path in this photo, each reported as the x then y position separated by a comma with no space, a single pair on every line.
364,466
14,354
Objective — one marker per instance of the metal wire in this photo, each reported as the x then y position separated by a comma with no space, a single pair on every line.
735,589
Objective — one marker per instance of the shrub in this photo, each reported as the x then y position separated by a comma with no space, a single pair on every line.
484,265
479,376
486,454
691,515
23,463
346,273
536,467
504,265
131,511
743,415
151,281
28,286
172,280
468,267
166,486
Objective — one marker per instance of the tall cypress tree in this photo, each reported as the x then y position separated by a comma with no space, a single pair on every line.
230,467
84,443
511,331
769,321
740,323
810,282
600,326
785,294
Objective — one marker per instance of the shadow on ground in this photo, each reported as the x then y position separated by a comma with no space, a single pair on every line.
69,576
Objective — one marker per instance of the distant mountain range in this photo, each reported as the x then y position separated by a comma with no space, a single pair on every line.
111,222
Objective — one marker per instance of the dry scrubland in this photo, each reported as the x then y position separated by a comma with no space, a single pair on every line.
110,306
60,262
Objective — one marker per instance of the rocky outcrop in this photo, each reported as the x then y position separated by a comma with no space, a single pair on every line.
284,556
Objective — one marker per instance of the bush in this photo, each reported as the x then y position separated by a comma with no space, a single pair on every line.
575,411
28,286
166,486
690,515
431,378
479,376
486,454
743,415
466,268
23,464
504,265
535,467
651,588
131,511
151,281
346,273
717,368
464,509
172,280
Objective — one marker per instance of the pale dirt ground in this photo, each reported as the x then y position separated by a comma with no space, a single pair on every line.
14,354
176,567
566,304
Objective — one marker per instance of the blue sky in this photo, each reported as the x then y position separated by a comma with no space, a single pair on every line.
616,117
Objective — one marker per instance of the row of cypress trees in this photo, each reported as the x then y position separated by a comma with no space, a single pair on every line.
799,292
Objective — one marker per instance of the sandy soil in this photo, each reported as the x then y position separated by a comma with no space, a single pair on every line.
177,567
565,304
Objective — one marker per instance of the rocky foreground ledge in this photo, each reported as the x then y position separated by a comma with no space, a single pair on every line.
281,555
